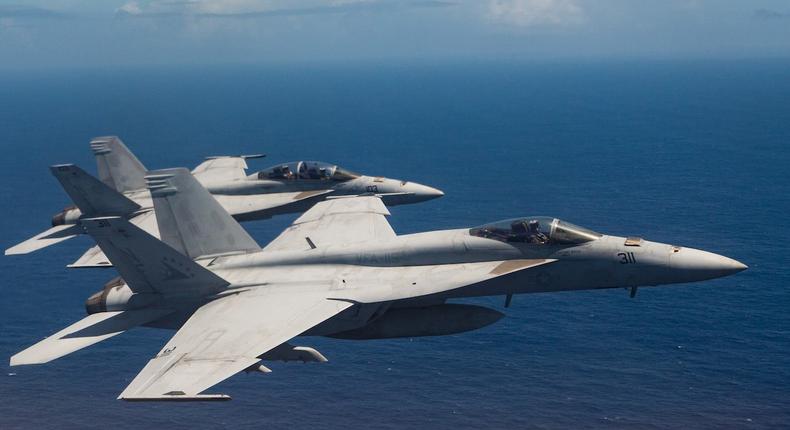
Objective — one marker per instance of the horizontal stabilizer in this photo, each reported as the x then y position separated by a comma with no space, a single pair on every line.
92,197
149,265
92,329
54,235
92,258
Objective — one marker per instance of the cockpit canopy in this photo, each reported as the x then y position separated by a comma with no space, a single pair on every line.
307,171
539,230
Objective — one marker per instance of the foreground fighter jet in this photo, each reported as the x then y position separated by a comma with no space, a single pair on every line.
284,188
339,270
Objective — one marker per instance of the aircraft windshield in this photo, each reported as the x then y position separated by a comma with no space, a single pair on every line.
307,171
537,230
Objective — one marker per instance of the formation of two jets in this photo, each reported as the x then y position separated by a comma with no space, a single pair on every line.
285,188
339,270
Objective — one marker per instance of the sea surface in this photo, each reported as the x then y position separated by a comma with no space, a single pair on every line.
689,153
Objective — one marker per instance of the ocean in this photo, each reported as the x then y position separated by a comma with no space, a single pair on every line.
689,153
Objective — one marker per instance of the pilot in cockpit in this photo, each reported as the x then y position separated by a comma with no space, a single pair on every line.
303,172
287,173
527,231
534,233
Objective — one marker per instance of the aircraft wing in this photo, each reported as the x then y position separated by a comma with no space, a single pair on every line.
338,221
220,169
94,257
226,336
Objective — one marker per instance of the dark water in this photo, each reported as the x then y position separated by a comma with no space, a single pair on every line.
686,153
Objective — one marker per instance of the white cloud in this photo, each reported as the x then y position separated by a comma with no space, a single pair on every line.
229,8
531,13
131,8
193,7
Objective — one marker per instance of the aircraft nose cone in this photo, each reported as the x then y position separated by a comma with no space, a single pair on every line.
423,192
697,265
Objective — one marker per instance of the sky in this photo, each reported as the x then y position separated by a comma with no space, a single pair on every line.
91,33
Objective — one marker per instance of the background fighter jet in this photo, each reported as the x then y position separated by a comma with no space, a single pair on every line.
284,188
339,270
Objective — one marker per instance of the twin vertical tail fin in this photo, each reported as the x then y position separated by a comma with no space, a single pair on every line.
191,220
117,166
92,197
119,171
191,224
149,266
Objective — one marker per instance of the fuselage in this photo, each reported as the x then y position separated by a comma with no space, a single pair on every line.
411,263
253,198
606,262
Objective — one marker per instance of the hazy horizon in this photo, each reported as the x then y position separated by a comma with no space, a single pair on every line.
82,33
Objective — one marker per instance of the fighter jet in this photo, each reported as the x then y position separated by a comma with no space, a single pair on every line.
339,270
284,188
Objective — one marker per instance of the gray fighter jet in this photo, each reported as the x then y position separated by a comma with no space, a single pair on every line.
339,270
284,188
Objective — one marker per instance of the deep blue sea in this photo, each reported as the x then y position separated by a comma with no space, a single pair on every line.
690,153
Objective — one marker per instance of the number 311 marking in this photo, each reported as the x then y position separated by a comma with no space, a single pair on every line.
627,257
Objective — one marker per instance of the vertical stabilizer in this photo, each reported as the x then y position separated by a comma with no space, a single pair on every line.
117,166
90,195
148,265
191,220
